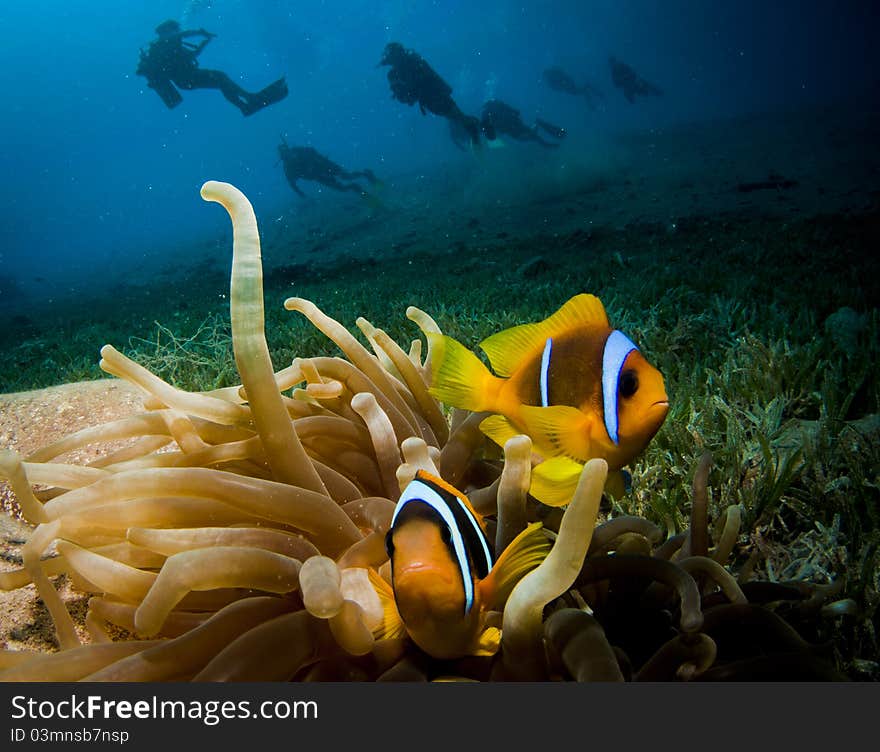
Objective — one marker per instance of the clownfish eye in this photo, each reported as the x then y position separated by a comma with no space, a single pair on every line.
389,544
629,383
445,534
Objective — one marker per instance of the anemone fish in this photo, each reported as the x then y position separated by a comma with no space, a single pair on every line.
444,582
577,387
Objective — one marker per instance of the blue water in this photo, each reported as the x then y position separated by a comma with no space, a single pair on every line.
99,175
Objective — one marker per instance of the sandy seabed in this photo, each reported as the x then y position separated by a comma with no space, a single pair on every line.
28,421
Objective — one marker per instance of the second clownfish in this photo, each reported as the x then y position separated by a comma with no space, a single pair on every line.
444,578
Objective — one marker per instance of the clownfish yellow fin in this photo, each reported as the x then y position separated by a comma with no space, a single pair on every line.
521,556
581,310
458,377
555,480
559,429
391,626
499,429
488,642
508,349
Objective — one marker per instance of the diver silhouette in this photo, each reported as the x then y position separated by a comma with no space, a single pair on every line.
306,163
170,61
628,81
557,79
499,118
413,80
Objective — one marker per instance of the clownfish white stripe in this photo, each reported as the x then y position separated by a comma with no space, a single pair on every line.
617,347
545,372
420,490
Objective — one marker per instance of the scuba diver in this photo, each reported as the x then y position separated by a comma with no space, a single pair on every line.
558,80
306,163
413,80
171,61
498,118
632,85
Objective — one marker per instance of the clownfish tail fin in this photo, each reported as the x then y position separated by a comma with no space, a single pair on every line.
458,376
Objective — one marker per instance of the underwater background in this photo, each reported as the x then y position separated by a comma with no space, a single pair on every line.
100,175
730,224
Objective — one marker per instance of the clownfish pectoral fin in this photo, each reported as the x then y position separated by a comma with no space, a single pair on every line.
458,377
391,626
522,555
488,642
566,430
508,349
554,481
499,429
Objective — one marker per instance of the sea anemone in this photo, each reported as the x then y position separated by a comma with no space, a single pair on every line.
231,540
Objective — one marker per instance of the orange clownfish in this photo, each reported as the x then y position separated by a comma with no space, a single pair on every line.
444,581
578,388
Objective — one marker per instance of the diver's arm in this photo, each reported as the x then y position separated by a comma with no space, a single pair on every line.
196,33
208,36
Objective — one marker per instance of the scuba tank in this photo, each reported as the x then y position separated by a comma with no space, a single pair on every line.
158,81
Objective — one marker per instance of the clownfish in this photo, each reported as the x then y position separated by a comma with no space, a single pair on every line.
444,581
577,387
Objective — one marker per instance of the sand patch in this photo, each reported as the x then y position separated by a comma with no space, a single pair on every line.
28,421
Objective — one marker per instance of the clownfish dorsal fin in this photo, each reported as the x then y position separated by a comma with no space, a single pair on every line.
391,626
507,350
521,556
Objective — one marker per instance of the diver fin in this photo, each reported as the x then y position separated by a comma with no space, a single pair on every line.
391,627
522,555
562,429
554,481
472,125
499,429
274,92
553,130
373,201
458,377
509,348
